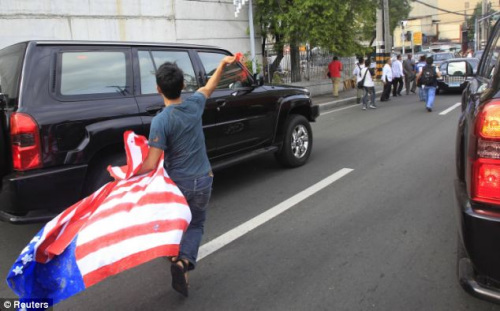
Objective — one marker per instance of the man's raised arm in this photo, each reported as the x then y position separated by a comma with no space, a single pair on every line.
209,88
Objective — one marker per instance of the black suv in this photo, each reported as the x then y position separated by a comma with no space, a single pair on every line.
64,106
477,185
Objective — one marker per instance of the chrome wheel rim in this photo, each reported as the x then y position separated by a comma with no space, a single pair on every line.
300,141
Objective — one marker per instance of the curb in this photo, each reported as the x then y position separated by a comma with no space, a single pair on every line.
340,102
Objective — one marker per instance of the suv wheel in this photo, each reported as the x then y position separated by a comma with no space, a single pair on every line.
297,144
99,175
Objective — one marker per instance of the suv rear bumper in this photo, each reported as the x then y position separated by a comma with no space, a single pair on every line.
314,112
28,192
478,268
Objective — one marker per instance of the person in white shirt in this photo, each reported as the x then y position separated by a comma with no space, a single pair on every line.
387,80
397,76
357,73
368,85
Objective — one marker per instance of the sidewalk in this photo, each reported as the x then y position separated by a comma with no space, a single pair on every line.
328,102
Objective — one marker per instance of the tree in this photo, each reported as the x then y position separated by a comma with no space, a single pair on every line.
336,25
477,14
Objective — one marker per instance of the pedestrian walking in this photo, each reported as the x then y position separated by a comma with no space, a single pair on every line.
178,132
397,76
421,63
357,74
428,76
409,75
335,70
369,86
387,80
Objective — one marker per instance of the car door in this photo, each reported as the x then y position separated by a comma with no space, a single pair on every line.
244,114
147,61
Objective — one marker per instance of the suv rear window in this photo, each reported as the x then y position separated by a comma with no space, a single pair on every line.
87,73
11,60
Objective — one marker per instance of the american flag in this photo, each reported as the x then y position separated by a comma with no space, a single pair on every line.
127,222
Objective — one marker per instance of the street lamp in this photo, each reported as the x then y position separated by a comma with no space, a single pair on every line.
403,25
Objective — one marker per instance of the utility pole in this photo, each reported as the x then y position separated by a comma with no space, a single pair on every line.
383,39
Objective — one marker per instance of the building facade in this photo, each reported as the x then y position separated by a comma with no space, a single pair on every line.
437,25
207,22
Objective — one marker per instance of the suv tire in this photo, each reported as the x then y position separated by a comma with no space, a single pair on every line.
297,143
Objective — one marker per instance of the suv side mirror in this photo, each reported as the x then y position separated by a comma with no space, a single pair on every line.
259,78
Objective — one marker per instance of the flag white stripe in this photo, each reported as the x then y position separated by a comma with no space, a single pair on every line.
137,216
158,185
113,253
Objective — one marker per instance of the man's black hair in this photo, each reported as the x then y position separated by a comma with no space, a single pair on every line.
360,60
429,60
335,58
368,62
422,58
399,56
170,79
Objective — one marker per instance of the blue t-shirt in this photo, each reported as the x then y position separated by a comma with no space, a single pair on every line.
178,131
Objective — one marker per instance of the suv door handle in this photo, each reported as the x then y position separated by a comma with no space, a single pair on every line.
220,103
153,109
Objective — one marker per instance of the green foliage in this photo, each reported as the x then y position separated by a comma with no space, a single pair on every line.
248,63
337,25
398,11
478,13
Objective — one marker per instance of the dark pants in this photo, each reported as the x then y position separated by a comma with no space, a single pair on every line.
197,192
397,86
386,93
410,80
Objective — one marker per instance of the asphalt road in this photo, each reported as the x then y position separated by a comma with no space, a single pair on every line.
379,237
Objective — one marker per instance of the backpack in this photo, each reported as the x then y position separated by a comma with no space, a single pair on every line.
428,76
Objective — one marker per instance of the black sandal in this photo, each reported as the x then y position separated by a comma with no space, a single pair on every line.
179,282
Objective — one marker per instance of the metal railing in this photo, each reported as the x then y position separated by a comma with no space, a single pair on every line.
313,67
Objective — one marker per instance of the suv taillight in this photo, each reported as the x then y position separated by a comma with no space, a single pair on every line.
486,166
25,139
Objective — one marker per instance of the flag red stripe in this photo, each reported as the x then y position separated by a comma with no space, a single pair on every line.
136,188
127,233
150,198
129,262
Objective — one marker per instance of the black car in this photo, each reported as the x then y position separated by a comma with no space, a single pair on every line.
477,184
64,107
441,57
455,73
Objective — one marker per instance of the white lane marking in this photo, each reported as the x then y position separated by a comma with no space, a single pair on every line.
449,109
332,111
340,101
258,220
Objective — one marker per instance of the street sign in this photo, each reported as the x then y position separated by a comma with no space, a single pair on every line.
417,38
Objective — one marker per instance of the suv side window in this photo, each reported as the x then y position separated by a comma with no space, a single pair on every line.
489,60
93,73
233,77
150,61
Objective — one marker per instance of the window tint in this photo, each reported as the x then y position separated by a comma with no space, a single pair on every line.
11,59
233,77
181,58
147,69
84,73
489,60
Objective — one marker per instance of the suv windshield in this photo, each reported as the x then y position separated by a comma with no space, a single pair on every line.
11,59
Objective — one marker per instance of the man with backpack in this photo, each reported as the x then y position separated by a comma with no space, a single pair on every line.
427,77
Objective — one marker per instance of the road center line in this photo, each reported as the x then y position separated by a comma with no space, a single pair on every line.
449,109
258,220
